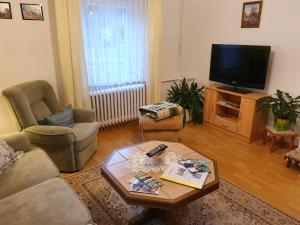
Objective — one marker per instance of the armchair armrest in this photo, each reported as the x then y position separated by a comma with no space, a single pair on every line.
18,141
50,135
84,115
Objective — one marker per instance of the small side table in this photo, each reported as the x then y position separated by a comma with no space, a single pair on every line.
291,135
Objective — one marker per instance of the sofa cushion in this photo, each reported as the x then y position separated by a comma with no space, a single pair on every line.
84,134
51,202
33,168
7,155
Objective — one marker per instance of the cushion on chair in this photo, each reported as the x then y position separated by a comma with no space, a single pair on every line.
84,134
7,155
62,118
51,202
173,123
33,168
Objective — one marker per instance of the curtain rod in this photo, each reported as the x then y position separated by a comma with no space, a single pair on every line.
178,79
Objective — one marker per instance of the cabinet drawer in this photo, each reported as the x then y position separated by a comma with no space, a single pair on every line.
226,123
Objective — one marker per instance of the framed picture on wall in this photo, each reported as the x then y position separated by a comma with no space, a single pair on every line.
5,10
251,14
32,11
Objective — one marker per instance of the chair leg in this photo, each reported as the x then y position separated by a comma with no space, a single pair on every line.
288,163
291,145
273,144
265,136
142,135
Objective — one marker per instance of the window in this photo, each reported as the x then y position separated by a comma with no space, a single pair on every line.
115,41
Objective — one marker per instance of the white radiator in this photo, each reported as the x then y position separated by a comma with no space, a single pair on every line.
118,104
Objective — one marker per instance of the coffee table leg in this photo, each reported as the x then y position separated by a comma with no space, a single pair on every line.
151,214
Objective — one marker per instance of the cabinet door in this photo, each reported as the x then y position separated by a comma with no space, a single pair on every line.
245,121
210,105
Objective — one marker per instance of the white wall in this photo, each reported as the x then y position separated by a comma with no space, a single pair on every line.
172,35
25,54
218,21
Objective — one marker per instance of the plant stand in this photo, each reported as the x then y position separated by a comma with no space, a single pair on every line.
291,135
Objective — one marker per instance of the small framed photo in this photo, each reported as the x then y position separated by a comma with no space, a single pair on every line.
251,14
5,10
32,11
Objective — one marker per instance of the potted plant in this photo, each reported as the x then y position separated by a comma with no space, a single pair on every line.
284,108
190,98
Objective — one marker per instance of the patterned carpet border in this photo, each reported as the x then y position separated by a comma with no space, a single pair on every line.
230,205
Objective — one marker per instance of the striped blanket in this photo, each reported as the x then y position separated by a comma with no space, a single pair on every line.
161,110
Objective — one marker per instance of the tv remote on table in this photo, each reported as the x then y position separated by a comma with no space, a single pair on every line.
156,150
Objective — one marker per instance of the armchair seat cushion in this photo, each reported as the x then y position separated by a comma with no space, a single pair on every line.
33,168
51,202
84,133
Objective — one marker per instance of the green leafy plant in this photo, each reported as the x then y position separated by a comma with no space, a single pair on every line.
189,97
282,105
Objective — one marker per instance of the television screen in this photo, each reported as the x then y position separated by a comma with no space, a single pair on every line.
240,65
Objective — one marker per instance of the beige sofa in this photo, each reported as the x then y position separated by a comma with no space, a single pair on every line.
31,192
69,148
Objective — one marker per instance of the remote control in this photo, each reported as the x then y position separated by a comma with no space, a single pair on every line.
156,150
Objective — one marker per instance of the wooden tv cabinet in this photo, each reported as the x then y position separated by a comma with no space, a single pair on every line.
234,112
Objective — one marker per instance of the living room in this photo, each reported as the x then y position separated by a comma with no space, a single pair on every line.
174,39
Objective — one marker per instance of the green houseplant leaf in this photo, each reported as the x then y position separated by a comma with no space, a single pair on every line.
189,97
282,105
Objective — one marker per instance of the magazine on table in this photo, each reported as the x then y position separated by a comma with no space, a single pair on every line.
144,183
136,185
179,174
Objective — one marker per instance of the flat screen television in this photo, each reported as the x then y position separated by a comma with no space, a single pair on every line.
239,65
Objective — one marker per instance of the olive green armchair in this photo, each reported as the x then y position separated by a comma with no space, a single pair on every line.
69,148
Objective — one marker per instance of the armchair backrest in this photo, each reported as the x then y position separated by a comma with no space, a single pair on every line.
32,101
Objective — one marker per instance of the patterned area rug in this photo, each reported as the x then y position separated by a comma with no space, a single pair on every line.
228,206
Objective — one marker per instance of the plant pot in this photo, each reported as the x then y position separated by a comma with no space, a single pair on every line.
281,124
188,116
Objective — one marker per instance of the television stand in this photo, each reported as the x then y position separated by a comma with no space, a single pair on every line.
235,89
234,112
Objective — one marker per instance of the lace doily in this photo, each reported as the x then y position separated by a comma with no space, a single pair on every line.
141,162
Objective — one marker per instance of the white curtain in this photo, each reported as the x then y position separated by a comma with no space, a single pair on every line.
72,79
115,40
154,77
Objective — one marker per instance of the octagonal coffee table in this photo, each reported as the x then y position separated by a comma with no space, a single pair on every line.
172,195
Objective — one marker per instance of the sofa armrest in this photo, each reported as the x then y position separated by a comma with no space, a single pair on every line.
18,141
50,135
84,115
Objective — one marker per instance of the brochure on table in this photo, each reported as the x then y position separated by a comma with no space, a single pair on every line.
179,174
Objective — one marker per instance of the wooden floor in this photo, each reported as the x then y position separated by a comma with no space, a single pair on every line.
249,166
